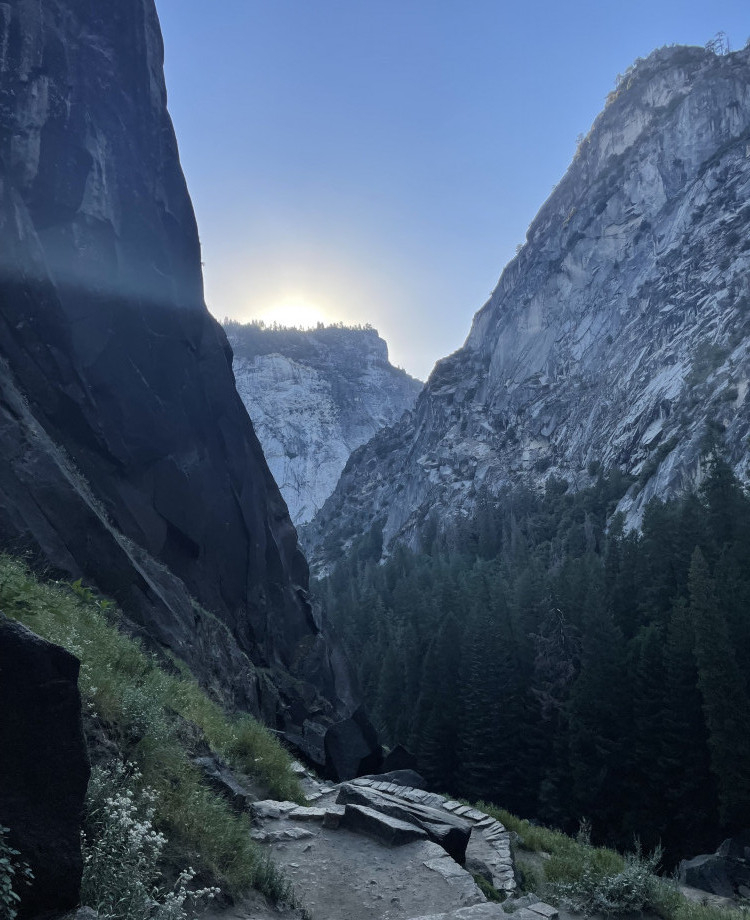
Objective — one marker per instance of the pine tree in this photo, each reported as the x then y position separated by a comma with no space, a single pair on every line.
689,786
598,719
643,797
725,703
435,738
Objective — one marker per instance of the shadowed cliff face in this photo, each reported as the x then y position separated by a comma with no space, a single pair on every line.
130,458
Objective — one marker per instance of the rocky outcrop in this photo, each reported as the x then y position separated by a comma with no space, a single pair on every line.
131,461
44,767
380,860
449,832
725,873
314,396
619,335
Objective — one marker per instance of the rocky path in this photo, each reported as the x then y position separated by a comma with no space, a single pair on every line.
374,849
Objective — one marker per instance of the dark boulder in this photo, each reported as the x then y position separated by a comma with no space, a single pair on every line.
708,873
736,848
724,872
44,768
398,758
352,748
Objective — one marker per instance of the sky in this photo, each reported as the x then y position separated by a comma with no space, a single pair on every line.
378,161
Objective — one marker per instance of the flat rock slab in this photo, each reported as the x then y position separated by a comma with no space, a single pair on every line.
282,832
269,808
530,913
382,827
340,875
302,813
477,912
441,827
544,910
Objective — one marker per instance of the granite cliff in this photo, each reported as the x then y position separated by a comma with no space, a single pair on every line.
129,458
314,396
619,334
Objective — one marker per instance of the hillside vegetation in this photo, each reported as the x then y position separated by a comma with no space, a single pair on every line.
539,657
570,871
155,719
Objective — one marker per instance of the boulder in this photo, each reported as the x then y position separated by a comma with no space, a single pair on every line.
44,768
707,872
736,848
722,873
399,759
449,832
382,827
352,748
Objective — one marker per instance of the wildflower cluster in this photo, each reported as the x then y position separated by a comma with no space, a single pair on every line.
122,849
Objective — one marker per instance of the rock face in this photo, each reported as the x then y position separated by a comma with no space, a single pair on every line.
618,336
44,768
314,396
130,460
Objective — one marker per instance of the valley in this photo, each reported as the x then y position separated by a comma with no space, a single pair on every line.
284,632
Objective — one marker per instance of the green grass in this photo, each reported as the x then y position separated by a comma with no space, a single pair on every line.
568,857
568,861
149,713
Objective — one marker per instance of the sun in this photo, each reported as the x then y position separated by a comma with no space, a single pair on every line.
294,312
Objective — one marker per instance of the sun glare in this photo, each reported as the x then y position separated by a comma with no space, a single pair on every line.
300,313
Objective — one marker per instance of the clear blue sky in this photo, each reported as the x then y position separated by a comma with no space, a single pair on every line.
378,160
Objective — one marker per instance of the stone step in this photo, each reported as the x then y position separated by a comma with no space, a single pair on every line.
544,910
270,808
486,911
303,813
536,911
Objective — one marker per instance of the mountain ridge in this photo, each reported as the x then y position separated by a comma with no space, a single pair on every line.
314,396
618,331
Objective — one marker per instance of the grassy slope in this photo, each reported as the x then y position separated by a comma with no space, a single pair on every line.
567,860
155,718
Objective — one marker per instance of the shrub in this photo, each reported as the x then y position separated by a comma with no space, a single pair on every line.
12,871
630,890
122,849
596,878
156,717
